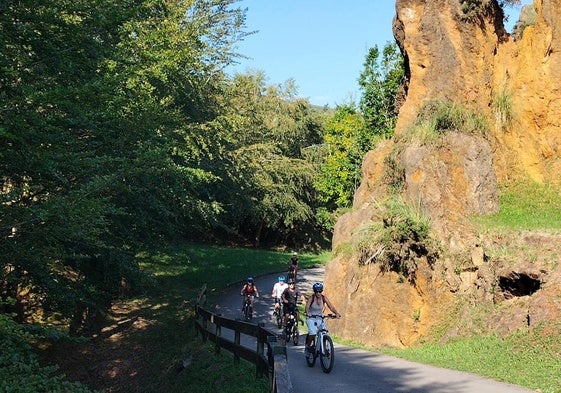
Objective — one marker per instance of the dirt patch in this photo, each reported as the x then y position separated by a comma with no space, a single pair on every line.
110,360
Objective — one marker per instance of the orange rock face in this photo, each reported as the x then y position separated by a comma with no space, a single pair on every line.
516,86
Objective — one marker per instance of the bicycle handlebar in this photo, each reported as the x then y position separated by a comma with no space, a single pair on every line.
332,316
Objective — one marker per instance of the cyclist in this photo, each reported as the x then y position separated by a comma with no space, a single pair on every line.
249,290
278,289
291,274
314,307
289,299
294,262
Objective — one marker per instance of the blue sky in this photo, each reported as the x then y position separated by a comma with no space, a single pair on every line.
321,44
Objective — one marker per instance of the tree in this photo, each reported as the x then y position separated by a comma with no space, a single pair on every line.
347,142
102,128
267,184
380,82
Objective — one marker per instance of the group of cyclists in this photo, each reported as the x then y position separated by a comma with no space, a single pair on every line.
286,294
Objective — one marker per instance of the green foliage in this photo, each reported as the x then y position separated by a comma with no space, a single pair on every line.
347,142
380,82
474,10
436,118
20,370
526,358
218,266
267,191
398,239
502,108
526,205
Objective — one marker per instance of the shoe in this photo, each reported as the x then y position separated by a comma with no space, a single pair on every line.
275,313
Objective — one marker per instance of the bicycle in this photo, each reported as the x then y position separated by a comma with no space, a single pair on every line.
291,331
322,346
247,309
278,313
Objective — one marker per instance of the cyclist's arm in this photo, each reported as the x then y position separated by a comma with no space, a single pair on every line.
283,297
331,307
308,304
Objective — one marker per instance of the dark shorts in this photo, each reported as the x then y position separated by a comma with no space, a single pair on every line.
288,308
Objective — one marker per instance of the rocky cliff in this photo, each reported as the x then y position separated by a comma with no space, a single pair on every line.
513,82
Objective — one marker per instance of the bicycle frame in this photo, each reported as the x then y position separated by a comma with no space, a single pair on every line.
248,308
323,346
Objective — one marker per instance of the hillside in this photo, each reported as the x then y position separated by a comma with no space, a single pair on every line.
491,101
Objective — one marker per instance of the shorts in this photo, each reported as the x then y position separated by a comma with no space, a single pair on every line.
314,324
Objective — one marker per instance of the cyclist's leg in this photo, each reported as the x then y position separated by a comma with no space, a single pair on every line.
312,330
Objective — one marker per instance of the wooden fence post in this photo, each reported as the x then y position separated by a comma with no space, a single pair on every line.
260,351
218,334
237,342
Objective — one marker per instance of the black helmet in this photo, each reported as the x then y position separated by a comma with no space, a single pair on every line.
318,287
290,281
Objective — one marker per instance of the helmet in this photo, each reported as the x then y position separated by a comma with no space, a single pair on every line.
294,254
318,287
282,278
290,281
250,280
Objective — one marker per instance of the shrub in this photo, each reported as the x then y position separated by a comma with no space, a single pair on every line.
438,117
20,370
398,240
502,108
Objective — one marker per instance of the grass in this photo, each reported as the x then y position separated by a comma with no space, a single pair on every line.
529,359
191,265
149,342
526,206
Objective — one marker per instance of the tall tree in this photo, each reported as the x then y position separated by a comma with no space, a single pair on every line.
347,141
103,138
380,82
269,184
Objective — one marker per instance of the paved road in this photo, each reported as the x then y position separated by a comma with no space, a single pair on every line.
358,370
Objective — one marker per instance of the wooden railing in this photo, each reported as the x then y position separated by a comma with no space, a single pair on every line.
271,362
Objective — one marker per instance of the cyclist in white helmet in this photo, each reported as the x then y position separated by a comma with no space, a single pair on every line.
278,289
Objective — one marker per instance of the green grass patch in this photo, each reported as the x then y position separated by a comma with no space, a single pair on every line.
188,265
529,359
149,342
526,205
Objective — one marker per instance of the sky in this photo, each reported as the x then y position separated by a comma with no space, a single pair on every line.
320,44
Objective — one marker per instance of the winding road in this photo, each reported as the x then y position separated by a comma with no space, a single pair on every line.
357,370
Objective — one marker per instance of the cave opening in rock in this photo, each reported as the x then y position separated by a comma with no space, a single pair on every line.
518,284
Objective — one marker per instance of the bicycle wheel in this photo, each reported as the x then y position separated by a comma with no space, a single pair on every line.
311,358
295,335
247,312
327,356
279,319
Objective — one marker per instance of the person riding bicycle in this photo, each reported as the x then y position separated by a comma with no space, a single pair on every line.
249,290
278,289
314,310
294,262
291,273
289,299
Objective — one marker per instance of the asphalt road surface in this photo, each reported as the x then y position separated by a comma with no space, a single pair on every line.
355,370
